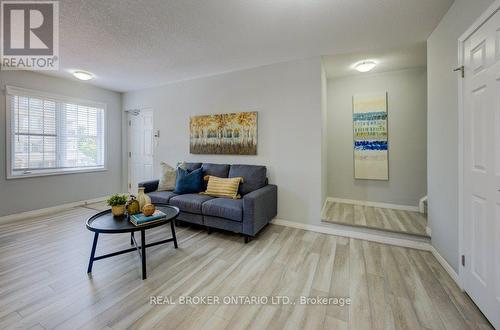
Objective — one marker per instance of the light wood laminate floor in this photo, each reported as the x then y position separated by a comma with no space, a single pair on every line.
44,284
399,221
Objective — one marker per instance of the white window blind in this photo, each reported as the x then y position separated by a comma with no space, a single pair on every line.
53,135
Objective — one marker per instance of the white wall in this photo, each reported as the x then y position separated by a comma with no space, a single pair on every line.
407,104
442,119
27,194
287,97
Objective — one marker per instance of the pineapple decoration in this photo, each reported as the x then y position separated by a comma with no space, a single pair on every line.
133,206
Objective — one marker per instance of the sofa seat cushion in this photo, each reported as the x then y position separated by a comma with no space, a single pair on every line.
161,196
231,209
189,202
254,177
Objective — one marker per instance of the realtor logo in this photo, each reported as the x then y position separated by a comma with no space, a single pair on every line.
29,35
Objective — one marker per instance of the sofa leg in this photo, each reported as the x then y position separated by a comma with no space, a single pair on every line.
209,230
247,239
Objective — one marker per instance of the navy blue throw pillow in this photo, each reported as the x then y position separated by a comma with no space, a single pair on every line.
188,182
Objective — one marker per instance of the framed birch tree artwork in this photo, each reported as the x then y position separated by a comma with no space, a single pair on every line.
369,118
229,133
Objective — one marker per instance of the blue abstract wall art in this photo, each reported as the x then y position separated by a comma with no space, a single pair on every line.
370,137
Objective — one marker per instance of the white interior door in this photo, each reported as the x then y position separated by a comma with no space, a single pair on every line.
140,148
481,198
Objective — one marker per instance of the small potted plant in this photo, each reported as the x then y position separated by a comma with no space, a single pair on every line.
117,203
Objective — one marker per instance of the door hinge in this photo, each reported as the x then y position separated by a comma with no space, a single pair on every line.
129,154
463,260
129,185
130,123
461,69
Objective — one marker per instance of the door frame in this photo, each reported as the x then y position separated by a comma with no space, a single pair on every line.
478,23
128,112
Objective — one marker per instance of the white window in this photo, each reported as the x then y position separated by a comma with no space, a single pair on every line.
49,134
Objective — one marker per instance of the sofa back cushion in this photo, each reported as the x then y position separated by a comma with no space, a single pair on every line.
192,166
188,182
218,170
254,177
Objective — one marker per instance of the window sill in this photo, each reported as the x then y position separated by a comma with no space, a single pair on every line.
39,173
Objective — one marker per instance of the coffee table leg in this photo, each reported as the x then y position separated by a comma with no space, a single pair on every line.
92,253
132,238
143,253
173,233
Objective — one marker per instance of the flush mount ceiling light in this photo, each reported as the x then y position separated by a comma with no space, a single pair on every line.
83,75
365,66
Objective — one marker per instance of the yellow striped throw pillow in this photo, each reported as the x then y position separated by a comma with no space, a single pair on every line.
222,187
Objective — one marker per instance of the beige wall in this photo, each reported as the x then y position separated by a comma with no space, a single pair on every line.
407,103
287,97
26,194
324,135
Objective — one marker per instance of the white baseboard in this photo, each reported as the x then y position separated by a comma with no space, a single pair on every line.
323,209
49,210
453,274
420,245
421,204
374,204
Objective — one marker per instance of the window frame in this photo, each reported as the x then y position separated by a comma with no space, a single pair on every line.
18,91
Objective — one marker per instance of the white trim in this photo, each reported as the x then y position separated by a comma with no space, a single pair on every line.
428,231
8,140
460,159
51,172
374,238
49,210
421,204
488,13
323,210
14,90
374,204
420,245
453,274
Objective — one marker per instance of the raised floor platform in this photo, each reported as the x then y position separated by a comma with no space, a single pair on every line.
380,218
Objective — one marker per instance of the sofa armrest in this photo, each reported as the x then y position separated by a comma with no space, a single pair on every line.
150,186
259,208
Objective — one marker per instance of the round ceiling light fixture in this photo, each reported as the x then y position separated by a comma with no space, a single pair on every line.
365,66
83,75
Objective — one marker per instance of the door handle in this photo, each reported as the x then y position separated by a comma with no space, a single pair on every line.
461,69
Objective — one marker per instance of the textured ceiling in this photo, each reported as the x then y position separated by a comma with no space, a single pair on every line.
131,44
387,60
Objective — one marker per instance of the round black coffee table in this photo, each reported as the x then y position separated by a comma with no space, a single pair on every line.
105,223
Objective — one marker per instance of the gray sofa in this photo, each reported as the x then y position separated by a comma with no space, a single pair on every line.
248,215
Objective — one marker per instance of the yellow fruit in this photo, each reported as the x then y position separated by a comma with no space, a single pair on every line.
148,209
